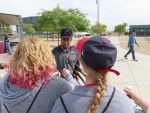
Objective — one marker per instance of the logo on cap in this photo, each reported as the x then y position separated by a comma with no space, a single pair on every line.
66,33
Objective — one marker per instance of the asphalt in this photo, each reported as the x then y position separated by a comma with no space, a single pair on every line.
133,74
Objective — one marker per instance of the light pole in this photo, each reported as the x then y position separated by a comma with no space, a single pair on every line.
97,2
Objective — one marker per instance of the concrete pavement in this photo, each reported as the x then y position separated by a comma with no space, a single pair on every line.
135,74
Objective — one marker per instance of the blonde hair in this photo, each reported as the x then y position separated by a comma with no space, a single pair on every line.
101,81
31,62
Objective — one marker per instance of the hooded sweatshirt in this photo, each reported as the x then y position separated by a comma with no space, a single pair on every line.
18,100
80,99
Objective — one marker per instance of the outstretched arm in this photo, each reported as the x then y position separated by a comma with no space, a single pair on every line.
137,99
67,75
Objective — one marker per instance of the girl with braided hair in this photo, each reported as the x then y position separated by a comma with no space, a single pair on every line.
98,56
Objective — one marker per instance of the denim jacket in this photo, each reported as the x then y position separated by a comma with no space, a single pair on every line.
132,41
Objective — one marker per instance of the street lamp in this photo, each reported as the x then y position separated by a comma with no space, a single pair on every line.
97,2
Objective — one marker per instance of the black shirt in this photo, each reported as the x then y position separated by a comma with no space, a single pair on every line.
66,59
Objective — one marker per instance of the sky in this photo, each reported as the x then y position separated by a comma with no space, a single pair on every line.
111,12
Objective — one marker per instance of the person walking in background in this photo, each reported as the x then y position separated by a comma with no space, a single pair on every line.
66,56
138,100
30,85
98,56
7,43
131,42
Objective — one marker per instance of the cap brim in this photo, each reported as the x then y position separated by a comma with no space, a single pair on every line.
66,36
109,70
80,44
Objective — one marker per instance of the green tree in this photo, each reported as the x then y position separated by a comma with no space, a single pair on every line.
28,28
53,21
31,20
49,21
120,28
78,20
44,21
99,28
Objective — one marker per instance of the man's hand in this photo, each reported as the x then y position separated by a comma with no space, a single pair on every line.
130,92
65,72
136,98
2,66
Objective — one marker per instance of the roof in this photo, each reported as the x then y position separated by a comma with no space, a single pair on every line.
10,19
81,33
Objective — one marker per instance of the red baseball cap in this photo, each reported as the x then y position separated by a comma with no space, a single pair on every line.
80,43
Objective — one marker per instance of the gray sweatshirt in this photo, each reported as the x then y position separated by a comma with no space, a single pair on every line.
18,100
148,111
80,99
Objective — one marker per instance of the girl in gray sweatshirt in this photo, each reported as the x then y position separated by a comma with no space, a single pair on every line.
28,86
98,56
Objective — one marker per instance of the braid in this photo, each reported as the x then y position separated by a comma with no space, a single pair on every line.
99,94
101,84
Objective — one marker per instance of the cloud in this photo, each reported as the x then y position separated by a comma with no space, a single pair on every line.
26,7
112,12
129,11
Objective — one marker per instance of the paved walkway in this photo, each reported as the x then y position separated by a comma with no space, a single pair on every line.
135,74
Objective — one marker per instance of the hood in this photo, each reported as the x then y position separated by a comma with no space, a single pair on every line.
12,94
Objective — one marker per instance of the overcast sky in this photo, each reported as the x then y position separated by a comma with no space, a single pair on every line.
112,12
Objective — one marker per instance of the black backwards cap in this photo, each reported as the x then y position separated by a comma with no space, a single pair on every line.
99,54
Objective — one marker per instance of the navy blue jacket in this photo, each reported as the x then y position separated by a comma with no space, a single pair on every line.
132,41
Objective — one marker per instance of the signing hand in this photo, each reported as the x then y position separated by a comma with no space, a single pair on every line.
65,72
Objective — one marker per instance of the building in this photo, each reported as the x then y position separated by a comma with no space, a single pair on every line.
6,20
141,30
